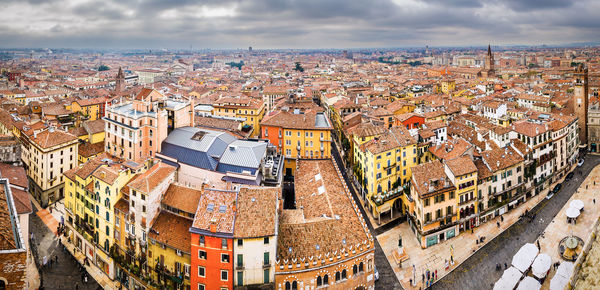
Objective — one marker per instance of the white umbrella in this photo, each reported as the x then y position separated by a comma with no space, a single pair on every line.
576,203
510,278
541,265
529,283
565,269
572,212
524,257
558,282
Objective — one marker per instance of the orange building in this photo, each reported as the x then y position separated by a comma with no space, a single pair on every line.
212,241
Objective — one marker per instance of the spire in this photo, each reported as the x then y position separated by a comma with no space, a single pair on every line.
489,49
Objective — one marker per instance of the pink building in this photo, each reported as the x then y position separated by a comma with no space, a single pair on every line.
136,128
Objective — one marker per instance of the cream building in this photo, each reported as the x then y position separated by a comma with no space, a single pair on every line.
46,155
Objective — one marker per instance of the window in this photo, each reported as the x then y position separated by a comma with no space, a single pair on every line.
224,243
240,242
201,240
344,274
354,269
266,261
224,258
200,287
201,255
201,272
240,278
266,276
240,260
224,275
338,276
266,240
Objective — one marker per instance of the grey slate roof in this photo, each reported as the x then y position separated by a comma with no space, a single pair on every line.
244,153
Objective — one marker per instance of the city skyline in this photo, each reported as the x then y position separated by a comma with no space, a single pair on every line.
297,25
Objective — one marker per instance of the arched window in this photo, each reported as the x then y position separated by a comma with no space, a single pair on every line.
107,190
326,279
354,269
2,283
288,286
361,267
337,276
319,279
344,274
294,285
97,184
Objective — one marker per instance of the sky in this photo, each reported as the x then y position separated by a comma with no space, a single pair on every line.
303,24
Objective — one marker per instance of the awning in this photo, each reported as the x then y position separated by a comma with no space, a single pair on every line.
529,283
510,278
541,265
572,212
524,257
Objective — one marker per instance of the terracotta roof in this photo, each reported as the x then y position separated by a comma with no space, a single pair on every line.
182,198
91,149
256,212
529,128
15,174
428,176
289,120
47,139
216,211
7,236
450,149
93,127
150,179
172,230
22,201
325,220
461,165
122,205
395,137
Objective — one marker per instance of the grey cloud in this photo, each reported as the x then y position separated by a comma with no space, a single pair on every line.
309,23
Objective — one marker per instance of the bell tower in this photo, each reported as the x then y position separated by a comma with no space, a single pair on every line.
580,101
488,66
120,80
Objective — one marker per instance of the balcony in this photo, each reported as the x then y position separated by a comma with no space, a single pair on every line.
392,165
443,217
239,266
381,198
267,265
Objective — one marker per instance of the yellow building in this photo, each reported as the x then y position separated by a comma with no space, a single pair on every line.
91,192
384,169
250,110
447,86
169,249
92,109
444,197
298,135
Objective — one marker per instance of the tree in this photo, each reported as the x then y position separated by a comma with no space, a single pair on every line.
299,67
103,68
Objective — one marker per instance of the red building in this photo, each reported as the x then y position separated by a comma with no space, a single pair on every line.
410,120
212,241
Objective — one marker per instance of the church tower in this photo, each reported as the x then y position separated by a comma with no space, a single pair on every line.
580,101
120,80
488,66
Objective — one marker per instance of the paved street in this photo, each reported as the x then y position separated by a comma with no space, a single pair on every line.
65,274
478,271
387,278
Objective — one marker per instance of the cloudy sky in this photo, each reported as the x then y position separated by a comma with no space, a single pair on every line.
295,23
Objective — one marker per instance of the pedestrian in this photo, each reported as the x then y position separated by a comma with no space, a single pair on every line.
44,261
56,259
50,262
435,274
501,218
423,276
85,279
505,266
471,230
76,286
594,200
498,223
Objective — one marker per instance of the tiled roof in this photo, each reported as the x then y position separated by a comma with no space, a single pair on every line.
147,181
461,165
430,175
51,138
289,120
15,174
172,230
182,198
256,212
325,221
216,209
7,235
91,149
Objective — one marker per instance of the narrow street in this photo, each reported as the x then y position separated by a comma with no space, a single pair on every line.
479,271
62,275
387,278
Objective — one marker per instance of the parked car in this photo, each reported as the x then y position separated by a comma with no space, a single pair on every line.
550,195
580,162
557,188
376,274
569,176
